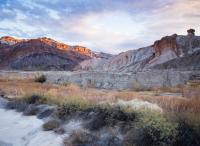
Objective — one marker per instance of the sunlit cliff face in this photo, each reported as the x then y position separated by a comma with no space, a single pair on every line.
49,42
62,46
54,43
9,40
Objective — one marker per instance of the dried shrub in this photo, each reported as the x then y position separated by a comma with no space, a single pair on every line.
80,137
40,79
51,125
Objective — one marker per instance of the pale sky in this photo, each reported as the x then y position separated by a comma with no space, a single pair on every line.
110,26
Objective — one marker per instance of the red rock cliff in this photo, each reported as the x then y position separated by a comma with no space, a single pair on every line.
168,42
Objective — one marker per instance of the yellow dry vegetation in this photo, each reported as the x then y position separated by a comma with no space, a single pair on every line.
16,88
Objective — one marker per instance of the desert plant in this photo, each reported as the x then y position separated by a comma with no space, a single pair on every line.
188,128
80,137
156,129
51,125
34,99
71,108
187,135
40,79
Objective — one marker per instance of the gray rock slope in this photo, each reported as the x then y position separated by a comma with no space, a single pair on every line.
176,52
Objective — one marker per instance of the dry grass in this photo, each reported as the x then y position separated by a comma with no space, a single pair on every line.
189,101
79,137
179,109
169,103
74,94
191,92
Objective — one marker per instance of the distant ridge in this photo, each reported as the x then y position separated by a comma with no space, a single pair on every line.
177,52
41,54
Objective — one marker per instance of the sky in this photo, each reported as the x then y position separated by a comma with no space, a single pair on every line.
110,26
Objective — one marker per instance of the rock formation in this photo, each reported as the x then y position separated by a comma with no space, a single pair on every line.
168,42
169,62
170,52
40,54
191,32
9,40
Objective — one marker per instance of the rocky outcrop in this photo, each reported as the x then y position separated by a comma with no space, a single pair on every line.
40,54
83,50
130,61
191,32
168,42
95,63
170,52
187,62
9,40
140,80
176,52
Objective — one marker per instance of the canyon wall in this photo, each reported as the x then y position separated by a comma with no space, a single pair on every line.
176,52
40,54
105,80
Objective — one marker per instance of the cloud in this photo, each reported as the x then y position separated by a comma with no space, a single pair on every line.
102,25
176,18
105,31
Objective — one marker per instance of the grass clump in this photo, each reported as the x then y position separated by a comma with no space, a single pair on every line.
80,137
108,117
34,99
69,109
40,79
20,104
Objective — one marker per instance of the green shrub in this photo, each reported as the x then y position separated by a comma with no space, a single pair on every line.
34,99
155,129
187,135
40,79
71,108
188,129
